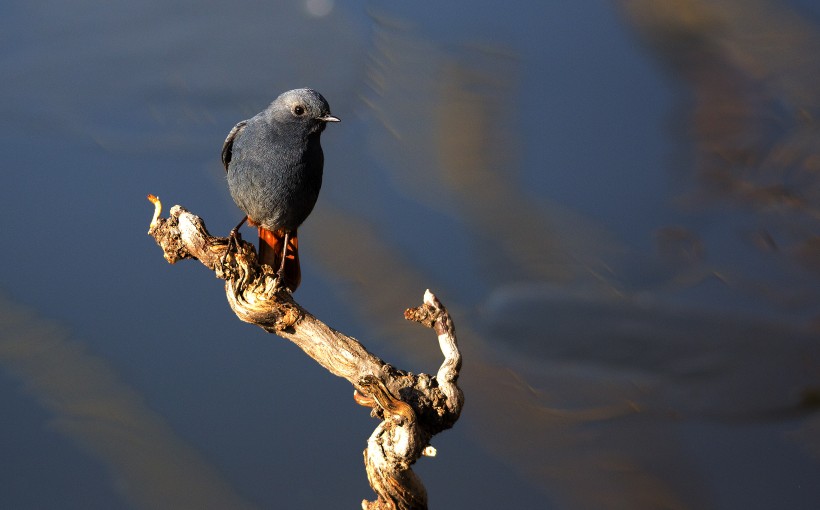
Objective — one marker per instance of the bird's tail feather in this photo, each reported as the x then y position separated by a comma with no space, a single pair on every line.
271,247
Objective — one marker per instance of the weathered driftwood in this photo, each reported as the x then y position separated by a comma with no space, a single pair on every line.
413,408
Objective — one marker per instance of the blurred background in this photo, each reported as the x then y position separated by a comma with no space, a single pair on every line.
618,201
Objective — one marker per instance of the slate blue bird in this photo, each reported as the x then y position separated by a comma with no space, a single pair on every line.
274,164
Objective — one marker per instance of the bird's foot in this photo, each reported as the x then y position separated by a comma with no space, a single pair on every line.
280,283
233,240
233,244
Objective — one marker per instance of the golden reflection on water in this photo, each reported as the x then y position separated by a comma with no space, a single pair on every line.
445,136
750,71
149,464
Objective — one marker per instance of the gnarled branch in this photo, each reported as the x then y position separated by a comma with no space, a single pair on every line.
413,408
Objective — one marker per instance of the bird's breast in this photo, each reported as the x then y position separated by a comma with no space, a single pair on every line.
276,182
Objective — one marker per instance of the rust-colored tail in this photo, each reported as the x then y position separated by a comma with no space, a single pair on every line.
271,246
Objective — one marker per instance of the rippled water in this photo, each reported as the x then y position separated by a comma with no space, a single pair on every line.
618,201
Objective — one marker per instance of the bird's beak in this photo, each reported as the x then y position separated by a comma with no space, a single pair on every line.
329,118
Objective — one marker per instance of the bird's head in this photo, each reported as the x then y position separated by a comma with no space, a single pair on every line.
302,107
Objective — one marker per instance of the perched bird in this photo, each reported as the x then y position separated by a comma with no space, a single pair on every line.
274,166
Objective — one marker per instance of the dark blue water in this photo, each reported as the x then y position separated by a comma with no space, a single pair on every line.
619,202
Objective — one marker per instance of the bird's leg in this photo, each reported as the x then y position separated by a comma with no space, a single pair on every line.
280,273
233,239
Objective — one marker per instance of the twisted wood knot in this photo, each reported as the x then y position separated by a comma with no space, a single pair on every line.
377,394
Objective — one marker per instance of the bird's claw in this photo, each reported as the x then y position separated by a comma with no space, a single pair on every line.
233,244
233,240
279,283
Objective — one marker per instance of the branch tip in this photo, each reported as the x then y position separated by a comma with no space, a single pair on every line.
157,211
426,315
431,299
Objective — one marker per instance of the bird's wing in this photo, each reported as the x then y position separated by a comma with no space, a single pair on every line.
227,147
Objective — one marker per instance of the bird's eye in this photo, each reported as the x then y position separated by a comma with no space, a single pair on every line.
298,110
